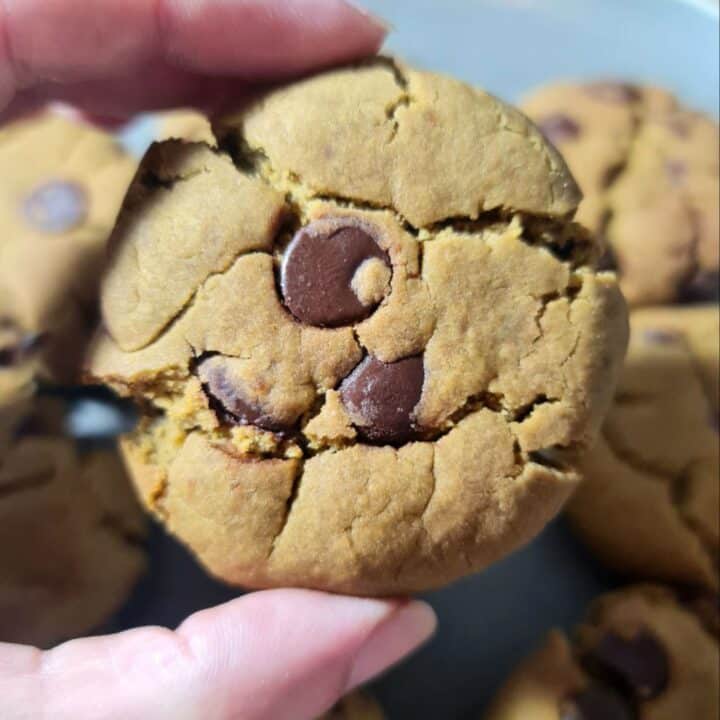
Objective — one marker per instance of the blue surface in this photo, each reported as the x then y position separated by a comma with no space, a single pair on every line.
490,621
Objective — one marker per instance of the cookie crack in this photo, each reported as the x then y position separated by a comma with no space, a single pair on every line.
676,490
289,505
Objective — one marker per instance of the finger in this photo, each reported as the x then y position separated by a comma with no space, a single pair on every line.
280,654
48,44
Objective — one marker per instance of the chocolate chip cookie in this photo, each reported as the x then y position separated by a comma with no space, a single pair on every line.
648,505
648,168
365,335
61,185
70,532
356,706
640,653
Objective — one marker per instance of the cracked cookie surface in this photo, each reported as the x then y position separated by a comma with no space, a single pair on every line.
70,531
648,169
364,333
648,504
640,654
61,185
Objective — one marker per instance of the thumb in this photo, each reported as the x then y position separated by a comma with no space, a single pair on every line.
277,654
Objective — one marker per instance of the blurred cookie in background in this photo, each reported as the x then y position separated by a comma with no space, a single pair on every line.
71,531
648,503
61,185
640,654
648,168
183,124
356,706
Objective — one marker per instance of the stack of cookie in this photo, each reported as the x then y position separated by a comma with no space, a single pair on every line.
69,524
649,503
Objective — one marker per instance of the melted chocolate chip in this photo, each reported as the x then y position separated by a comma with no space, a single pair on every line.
703,286
381,397
607,261
638,665
615,92
317,273
595,703
227,400
676,171
558,127
56,207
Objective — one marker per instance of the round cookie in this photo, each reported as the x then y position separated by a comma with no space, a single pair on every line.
70,532
366,343
648,169
648,504
61,185
356,706
639,655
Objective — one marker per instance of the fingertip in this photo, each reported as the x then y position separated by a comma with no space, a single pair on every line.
403,632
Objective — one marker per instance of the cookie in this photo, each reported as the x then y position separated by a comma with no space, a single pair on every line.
648,505
640,654
61,185
70,532
364,342
183,124
356,706
648,168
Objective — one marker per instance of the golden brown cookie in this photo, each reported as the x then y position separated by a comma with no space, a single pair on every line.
640,655
70,532
61,185
356,706
648,169
364,341
648,505
183,124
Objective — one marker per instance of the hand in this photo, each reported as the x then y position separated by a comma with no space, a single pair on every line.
273,655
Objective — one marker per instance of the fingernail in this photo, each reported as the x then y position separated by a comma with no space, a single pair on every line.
376,20
404,631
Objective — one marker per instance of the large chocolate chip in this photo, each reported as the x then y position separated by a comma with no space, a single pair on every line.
56,207
227,400
595,703
558,127
381,398
318,270
615,92
703,286
639,664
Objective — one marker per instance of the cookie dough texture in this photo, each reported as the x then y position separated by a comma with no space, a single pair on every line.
364,340
640,655
356,706
183,124
648,505
61,185
648,168
70,532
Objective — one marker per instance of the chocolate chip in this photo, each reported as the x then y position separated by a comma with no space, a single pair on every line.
703,286
607,261
226,397
18,351
595,703
381,397
676,171
317,273
639,665
56,207
656,336
558,127
615,92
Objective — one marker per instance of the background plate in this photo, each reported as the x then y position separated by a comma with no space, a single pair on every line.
490,621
